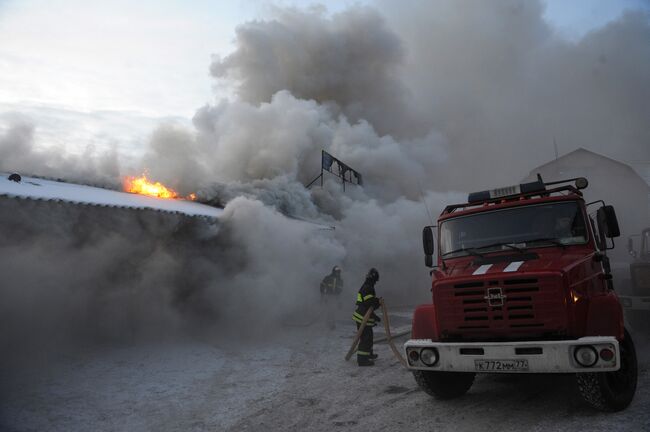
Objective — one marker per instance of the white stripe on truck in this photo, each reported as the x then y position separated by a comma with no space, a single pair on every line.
513,266
482,269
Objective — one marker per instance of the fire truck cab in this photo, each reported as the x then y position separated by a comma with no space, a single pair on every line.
522,284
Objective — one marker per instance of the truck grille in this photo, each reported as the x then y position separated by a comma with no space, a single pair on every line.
501,308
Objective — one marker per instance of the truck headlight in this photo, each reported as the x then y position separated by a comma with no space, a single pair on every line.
586,355
429,356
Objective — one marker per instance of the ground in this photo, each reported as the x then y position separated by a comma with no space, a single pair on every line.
296,381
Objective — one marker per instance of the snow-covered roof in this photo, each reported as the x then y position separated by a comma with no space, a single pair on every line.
50,190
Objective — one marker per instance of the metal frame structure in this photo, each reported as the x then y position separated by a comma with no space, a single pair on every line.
344,171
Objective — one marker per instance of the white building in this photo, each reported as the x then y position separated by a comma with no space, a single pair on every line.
614,182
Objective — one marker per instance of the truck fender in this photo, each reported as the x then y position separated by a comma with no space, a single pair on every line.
605,317
424,323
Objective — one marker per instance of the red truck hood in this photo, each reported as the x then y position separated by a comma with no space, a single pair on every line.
551,259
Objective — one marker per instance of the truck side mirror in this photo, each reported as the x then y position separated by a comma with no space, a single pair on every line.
608,222
428,245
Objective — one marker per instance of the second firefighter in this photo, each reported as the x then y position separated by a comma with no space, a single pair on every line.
330,295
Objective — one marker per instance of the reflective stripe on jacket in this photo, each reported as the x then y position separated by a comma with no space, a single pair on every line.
365,299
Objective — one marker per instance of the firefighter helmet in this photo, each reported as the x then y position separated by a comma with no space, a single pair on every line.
373,275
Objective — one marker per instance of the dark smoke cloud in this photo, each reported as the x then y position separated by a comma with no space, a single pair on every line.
501,85
283,193
350,61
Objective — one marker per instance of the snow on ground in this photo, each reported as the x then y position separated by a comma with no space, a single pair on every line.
295,381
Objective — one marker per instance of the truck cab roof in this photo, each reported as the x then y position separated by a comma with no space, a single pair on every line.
516,196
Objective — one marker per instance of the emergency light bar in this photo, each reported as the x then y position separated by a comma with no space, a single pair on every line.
523,188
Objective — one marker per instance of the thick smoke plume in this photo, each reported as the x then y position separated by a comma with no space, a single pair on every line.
501,86
492,78
423,100
351,62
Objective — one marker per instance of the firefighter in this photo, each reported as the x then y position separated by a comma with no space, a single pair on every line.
330,290
367,298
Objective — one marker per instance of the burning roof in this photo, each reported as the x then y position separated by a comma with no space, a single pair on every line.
50,190
143,186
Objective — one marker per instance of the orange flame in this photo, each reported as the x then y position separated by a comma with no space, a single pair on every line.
141,185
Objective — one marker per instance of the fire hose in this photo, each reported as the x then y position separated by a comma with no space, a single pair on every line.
389,337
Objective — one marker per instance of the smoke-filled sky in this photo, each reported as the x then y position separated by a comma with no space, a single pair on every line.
419,97
107,74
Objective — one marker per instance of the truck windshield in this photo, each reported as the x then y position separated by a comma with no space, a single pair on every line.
519,228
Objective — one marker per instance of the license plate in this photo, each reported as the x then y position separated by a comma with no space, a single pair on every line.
501,365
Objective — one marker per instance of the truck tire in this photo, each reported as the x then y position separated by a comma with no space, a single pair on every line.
640,320
444,385
612,391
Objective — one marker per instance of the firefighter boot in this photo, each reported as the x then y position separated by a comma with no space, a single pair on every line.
364,360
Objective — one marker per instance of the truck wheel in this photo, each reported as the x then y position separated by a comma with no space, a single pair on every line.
444,385
612,391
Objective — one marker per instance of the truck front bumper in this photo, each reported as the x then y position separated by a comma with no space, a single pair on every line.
560,356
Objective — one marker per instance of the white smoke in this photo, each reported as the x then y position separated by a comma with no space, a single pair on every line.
18,153
242,142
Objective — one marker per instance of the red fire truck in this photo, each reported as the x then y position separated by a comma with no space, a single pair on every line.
522,284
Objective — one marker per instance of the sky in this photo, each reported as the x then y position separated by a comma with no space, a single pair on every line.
107,73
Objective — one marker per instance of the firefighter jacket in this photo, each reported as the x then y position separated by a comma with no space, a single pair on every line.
365,299
331,284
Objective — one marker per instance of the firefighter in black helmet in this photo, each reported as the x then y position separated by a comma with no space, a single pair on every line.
367,298
330,290
332,284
